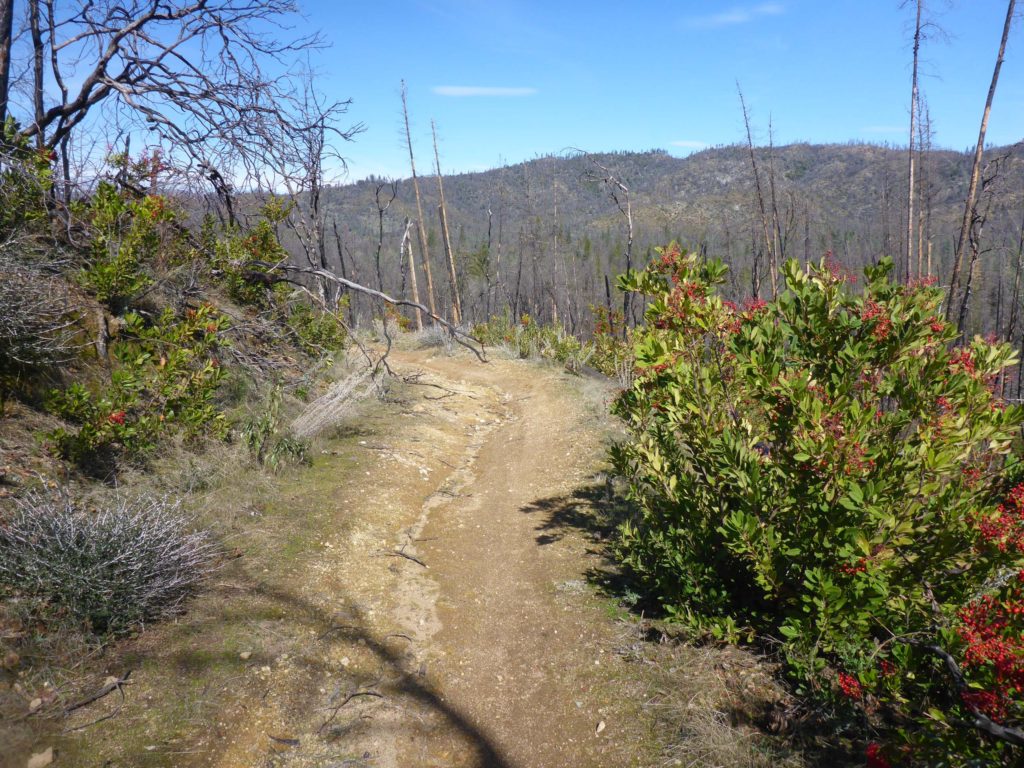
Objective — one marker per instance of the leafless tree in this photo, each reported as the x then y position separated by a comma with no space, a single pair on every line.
970,205
910,147
199,76
421,227
990,176
620,196
446,237
302,164
773,264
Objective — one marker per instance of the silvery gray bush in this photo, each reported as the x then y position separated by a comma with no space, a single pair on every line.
114,568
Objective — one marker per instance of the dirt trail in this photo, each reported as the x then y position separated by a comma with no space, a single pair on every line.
418,598
507,653
461,630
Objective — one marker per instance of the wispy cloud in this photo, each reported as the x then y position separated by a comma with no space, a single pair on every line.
736,15
481,90
689,144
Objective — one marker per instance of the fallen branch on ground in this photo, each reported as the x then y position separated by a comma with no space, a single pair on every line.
336,709
115,684
400,553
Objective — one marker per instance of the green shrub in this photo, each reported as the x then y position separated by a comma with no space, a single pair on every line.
25,182
126,237
233,255
827,472
317,332
261,434
110,569
612,354
527,339
167,375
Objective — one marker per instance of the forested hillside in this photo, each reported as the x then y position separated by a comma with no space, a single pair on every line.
541,236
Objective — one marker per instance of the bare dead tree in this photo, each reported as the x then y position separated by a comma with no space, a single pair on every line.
6,43
421,228
299,165
773,265
778,238
910,146
212,80
970,203
620,196
406,258
445,236
980,215
384,201
926,190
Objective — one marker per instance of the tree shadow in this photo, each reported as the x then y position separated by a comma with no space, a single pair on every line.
396,676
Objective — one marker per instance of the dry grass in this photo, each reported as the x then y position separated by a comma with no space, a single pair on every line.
703,706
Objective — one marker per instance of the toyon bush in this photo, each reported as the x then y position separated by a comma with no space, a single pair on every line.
826,472
168,372
109,570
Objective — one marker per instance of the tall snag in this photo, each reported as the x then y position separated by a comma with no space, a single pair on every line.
910,147
970,204
773,263
445,237
421,229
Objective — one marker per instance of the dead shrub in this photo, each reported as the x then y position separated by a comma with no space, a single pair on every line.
110,569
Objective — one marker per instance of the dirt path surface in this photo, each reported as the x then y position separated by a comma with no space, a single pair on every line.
460,632
418,598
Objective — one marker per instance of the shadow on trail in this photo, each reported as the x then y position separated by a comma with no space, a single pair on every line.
396,675
394,678
595,511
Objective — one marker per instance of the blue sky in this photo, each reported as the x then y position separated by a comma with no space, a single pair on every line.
507,80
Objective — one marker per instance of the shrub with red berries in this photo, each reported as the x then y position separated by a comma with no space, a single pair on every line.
828,470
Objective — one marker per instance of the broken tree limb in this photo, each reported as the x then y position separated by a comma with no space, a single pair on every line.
400,553
110,687
337,708
981,721
461,337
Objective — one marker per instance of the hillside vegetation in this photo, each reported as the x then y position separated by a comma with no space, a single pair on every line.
541,236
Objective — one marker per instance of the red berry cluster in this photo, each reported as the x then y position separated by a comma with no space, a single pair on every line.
117,417
838,271
669,260
876,759
986,702
855,461
994,645
850,570
873,313
963,359
753,305
971,476
1005,530
850,686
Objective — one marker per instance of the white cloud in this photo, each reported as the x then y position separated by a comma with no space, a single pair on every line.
737,15
689,144
481,90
